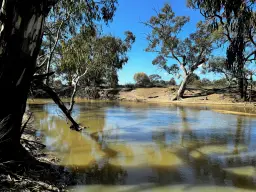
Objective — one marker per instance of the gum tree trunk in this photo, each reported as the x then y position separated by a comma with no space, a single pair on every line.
182,88
21,24
241,87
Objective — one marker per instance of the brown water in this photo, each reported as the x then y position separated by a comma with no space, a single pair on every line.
157,148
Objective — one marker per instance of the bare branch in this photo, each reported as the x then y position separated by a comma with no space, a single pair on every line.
72,99
53,49
251,37
250,55
42,76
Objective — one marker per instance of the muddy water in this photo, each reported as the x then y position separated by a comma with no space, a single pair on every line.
149,147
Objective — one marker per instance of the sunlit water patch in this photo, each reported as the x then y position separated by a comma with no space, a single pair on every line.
149,147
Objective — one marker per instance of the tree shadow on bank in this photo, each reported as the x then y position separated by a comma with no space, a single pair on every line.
224,93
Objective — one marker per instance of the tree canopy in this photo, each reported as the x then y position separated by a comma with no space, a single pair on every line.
141,79
99,56
237,21
189,52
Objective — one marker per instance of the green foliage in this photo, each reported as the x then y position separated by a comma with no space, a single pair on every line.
218,65
100,56
237,21
193,79
165,41
67,19
129,85
155,78
172,81
141,79
77,14
206,82
220,83
189,52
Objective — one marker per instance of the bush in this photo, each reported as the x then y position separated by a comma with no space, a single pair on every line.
155,78
206,82
129,85
220,83
172,81
141,79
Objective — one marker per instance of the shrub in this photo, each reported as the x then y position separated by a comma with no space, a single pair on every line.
141,79
129,85
172,81
221,83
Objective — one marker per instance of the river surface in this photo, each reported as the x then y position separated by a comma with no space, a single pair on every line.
155,148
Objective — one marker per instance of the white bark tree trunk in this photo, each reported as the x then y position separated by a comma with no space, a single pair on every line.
182,88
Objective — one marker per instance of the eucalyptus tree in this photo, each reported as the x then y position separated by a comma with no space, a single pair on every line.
64,21
237,20
217,65
188,53
141,79
21,35
172,82
155,78
88,54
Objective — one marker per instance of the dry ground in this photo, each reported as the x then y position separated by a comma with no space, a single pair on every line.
192,95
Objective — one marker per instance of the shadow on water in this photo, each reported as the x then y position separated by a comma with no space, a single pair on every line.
130,147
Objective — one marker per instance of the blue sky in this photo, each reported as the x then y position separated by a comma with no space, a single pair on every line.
129,15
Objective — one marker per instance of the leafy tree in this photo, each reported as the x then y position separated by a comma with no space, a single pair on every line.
65,20
89,55
206,81
220,82
218,65
193,78
141,79
172,81
237,21
189,53
21,33
162,83
155,78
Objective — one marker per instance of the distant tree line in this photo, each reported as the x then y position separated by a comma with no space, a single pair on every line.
143,80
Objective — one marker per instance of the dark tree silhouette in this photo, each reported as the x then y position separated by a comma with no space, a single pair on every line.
21,33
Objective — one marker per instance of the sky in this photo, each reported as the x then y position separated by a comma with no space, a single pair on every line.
129,16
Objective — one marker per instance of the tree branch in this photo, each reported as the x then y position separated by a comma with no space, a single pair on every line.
72,99
196,65
251,37
60,104
251,54
53,49
42,76
226,28
184,69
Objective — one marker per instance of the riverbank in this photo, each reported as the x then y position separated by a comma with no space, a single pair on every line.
165,133
208,97
220,100
38,171
45,173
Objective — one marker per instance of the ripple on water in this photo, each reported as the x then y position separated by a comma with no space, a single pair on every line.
172,148
157,188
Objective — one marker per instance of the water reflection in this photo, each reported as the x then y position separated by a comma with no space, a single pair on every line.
141,147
